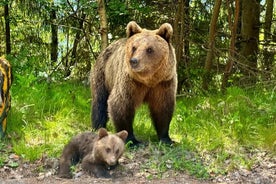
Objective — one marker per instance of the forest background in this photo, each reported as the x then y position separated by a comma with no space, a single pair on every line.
226,71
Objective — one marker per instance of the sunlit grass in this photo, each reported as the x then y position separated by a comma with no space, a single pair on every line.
44,117
220,130
213,134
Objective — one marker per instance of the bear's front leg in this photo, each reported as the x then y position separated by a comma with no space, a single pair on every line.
161,103
121,111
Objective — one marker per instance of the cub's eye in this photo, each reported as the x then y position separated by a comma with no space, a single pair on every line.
133,49
117,152
149,50
108,150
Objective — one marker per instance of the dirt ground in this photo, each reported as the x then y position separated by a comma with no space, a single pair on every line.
130,171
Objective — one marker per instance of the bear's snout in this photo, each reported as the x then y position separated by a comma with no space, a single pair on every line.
134,62
112,161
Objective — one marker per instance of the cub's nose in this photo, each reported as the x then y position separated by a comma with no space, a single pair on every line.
134,62
112,161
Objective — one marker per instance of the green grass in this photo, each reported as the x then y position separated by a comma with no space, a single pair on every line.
44,117
214,134
219,130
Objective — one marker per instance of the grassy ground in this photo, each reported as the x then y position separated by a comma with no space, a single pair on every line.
214,134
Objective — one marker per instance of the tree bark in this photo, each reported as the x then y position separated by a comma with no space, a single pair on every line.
54,31
178,30
250,23
103,23
186,83
75,45
7,27
207,76
232,49
268,56
181,43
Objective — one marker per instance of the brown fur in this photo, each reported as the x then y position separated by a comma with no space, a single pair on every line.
98,152
139,68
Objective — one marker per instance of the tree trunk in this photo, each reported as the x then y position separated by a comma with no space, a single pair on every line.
54,31
7,27
181,43
103,23
232,49
207,76
186,83
178,30
268,56
75,45
250,14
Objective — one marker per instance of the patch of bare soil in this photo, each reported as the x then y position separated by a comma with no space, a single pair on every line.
130,171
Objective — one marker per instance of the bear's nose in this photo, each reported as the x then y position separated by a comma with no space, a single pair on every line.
134,62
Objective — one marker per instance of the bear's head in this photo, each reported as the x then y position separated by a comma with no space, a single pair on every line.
108,148
149,54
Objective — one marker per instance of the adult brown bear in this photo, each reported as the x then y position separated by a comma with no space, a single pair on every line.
130,71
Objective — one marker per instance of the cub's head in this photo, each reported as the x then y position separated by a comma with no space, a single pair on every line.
147,51
109,148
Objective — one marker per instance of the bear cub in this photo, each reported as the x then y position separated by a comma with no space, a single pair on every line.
97,153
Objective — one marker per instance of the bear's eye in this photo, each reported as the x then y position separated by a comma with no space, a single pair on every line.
133,49
108,150
117,152
149,50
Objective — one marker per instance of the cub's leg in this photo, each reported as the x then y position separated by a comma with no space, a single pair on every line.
69,153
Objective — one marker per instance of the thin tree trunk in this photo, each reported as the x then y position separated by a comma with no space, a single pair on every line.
268,56
7,27
181,43
75,45
54,31
232,49
103,23
178,30
207,77
186,29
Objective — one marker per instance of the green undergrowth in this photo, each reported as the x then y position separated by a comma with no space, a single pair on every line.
44,116
213,135
216,134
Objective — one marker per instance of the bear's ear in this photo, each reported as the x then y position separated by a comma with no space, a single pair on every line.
122,134
132,29
165,31
102,133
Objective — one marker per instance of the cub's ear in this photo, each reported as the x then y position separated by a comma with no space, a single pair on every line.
165,31
122,134
132,29
102,133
